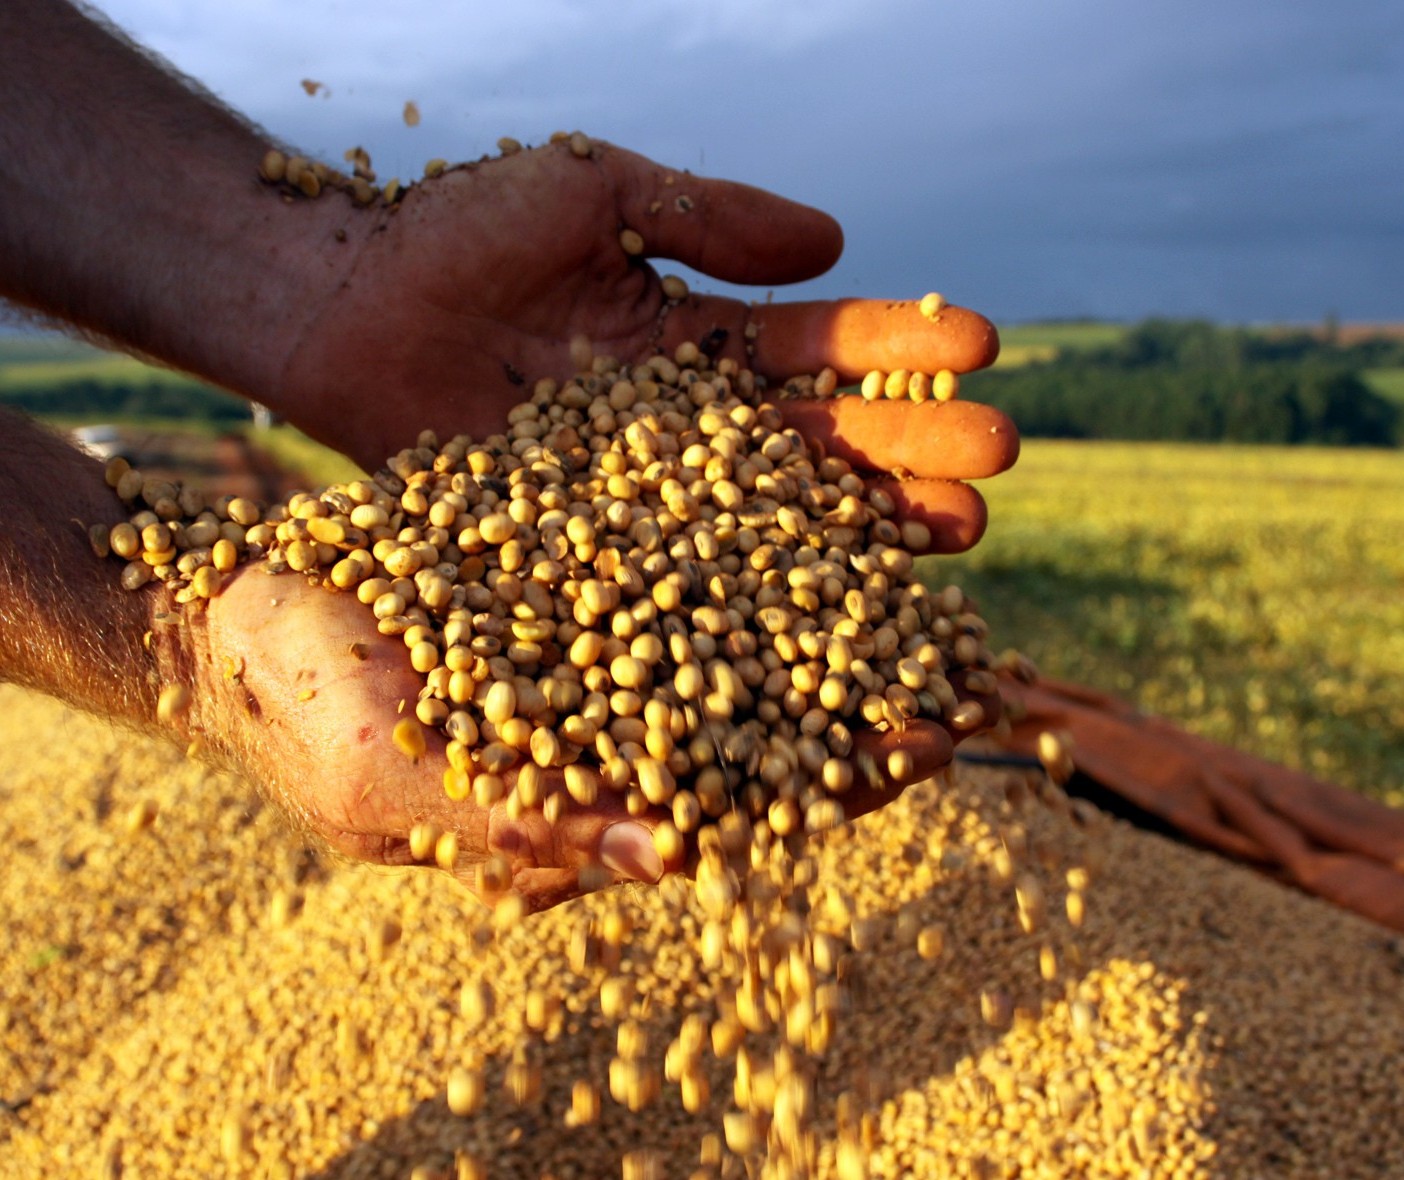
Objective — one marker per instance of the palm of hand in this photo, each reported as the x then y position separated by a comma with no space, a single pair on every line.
309,719
481,279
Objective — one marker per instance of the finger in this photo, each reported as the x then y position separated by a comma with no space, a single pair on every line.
954,512
729,231
928,745
545,857
931,440
602,834
543,888
991,708
854,336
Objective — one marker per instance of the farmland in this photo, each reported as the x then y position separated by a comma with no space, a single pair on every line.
1252,594
1023,343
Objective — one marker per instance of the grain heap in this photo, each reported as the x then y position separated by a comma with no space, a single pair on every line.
647,585
196,997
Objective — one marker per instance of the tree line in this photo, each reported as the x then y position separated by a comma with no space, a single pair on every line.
1178,380
116,400
1170,380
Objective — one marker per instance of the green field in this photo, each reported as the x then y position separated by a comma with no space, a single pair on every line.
1386,382
44,362
1251,594
1021,344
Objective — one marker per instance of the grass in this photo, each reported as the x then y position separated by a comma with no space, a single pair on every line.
1022,344
1250,594
1388,383
295,452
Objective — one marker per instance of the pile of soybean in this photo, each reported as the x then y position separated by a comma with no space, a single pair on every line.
202,996
647,584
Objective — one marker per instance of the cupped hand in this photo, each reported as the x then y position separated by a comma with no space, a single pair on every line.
476,284
480,279
297,689
301,692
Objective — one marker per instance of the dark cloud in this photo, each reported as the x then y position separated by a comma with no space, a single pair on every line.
1088,157
1239,165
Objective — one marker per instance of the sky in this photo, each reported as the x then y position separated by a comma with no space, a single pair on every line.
1241,160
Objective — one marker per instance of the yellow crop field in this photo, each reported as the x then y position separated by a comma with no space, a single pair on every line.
1253,594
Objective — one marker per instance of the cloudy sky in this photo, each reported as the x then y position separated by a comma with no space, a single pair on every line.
1239,159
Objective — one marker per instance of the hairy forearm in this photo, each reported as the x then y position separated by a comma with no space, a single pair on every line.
66,625
130,207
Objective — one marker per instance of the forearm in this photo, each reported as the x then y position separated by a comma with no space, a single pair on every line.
66,625
130,207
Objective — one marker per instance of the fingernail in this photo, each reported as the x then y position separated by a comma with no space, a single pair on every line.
627,849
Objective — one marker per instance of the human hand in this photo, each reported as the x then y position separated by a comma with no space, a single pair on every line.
300,692
479,280
280,694
456,363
